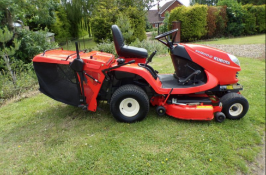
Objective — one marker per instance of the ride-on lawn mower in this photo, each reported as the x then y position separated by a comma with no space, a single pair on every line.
204,85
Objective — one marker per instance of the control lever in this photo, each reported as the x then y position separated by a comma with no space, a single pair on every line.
77,50
94,79
184,81
150,58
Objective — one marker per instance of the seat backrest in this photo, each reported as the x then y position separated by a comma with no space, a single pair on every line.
118,39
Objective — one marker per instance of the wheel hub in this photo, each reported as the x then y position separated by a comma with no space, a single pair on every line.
236,109
129,107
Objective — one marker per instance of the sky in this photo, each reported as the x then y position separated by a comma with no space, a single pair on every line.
162,2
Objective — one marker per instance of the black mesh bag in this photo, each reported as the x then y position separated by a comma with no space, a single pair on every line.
59,82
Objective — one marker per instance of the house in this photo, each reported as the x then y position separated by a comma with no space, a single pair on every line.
156,17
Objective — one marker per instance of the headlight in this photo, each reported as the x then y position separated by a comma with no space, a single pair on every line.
234,59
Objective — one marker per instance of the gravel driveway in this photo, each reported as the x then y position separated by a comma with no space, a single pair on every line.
246,50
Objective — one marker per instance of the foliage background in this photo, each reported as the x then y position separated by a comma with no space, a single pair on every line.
228,18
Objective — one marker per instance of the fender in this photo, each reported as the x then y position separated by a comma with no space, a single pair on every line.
157,85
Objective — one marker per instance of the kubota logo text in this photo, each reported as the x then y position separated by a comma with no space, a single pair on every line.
215,58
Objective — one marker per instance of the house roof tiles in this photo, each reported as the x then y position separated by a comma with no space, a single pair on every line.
154,15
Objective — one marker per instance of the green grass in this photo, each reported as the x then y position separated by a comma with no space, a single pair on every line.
41,136
256,39
84,43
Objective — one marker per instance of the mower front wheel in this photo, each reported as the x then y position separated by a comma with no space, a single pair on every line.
160,110
219,117
129,104
235,106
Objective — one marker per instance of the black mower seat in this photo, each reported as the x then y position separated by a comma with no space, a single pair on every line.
123,50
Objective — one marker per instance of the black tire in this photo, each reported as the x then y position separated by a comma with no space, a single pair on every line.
160,110
219,117
235,106
129,104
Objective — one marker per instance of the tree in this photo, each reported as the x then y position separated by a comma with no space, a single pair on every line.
123,22
6,11
137,21
6,52
62,26
79,13
104,16
204,2
254,2
36,14
141,5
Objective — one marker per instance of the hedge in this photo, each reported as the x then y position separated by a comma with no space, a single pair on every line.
228,19
193,21
221,21
258,11
211,21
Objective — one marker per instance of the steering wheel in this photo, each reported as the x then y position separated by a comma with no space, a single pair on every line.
166,34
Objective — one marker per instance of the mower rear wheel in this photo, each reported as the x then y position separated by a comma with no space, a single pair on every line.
235,106
129,104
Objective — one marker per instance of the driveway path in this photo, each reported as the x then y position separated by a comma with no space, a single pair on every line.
246,50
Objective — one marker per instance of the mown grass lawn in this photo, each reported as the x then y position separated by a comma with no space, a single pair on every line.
257,39
41,136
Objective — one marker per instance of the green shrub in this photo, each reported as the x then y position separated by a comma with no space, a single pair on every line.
235,14
25,79
250,23
164,26
32,43
221,21
258,11
149,45
260,18
193,21
148,27
106,46
137,21
123,22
